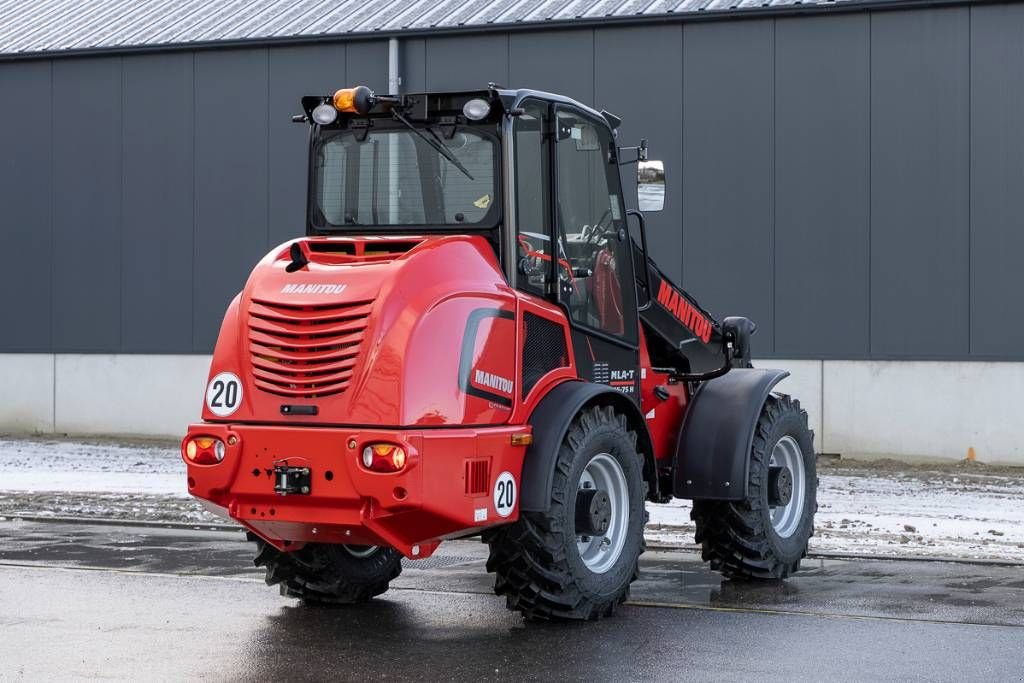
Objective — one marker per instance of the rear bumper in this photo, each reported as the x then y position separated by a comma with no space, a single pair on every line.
445,489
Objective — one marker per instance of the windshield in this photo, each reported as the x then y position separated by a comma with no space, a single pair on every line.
395,177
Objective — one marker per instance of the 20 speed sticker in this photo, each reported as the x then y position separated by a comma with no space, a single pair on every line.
224,394
505,494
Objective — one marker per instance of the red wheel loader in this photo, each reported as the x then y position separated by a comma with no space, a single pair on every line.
472,339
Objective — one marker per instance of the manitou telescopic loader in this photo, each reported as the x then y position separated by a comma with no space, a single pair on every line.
471,340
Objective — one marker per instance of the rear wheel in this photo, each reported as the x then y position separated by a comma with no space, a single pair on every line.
576,561
764,536
329,573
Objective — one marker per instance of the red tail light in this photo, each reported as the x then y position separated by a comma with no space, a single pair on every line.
383,457
204,450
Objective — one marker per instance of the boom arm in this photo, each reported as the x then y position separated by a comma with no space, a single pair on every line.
682,336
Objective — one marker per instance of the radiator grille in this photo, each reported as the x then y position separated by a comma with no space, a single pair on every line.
543,349
305,351
478,476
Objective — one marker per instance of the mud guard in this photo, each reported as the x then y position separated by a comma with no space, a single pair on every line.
550,421
713,451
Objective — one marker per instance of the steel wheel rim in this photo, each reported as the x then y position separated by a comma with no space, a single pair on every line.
786,518
600,553
360,551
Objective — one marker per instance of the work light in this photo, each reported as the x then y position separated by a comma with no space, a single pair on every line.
476,109
325,114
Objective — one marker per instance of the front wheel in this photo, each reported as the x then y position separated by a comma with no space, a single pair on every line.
764,536
576,560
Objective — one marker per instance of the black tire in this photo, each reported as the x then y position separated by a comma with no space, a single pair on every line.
537,564
327,573
737,537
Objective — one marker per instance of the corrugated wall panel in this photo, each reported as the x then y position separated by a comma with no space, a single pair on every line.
649,99
294,72
157,208
412,59
822,145
557,61
727,170
763,182
87,205
997,181
466,63
919,183
231,182
26,227
366,63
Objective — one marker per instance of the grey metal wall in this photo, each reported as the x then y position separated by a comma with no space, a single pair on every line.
852,182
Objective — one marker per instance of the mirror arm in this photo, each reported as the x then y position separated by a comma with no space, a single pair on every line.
641,152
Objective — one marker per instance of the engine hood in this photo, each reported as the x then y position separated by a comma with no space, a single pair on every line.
372,331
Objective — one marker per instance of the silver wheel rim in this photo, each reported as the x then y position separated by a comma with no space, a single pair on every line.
600,553
360,551
786,518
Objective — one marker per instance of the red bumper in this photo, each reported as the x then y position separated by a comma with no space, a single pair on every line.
445,489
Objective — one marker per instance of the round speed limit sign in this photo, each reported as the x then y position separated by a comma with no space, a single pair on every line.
224,394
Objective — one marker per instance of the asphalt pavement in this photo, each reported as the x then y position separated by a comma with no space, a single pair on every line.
99,601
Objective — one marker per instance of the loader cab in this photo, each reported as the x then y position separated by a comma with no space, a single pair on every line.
535,173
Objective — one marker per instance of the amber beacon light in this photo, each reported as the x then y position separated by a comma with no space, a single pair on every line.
358,100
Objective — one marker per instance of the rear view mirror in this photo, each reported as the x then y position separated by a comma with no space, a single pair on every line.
650,185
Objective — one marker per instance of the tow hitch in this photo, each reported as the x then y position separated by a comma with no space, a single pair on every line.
291,480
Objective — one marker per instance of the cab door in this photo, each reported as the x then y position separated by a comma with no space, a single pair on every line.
574,246
597,288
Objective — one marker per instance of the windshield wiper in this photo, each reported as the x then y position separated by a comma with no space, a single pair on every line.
434,142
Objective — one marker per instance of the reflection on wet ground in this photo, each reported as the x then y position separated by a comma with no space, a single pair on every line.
85,601
935,591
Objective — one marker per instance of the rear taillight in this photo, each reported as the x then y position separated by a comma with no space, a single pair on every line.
204,450
383,457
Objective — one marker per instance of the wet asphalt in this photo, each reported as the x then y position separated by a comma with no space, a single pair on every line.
96,601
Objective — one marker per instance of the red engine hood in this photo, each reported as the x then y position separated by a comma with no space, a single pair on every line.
371,331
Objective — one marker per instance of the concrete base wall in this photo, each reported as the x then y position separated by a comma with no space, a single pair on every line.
144,395
26,392
906,410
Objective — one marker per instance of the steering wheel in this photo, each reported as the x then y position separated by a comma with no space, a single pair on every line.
591,235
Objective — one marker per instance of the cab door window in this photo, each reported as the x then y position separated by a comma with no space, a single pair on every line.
533,189
595,269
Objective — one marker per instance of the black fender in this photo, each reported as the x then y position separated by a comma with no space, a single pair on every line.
713,451
550,421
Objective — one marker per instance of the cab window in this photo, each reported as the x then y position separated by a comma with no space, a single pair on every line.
594,262
533,186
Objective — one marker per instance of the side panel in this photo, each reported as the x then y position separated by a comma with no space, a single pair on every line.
87,206
602,362
554,61
920,171
366,63
617,54
822,144
473,380
465,62
158,203
714,444
727,170
26,187
293,73
230,181
997,176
